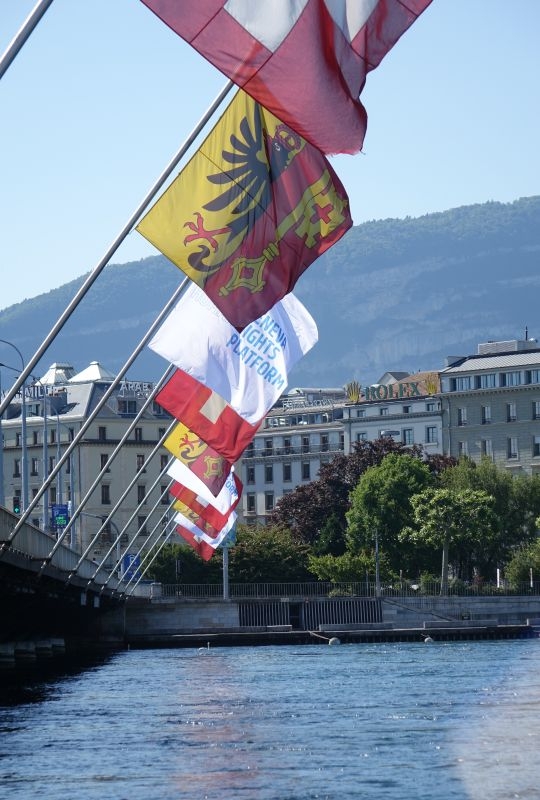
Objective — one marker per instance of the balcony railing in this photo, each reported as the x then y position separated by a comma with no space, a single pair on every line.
303,449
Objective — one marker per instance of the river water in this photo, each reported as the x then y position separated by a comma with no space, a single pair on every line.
452,721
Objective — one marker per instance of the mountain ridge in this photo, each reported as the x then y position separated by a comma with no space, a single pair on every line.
394,294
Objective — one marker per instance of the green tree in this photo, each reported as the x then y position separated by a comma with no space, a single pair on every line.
444,518
356,567
192,569
381,503
267,555
516,504
518,570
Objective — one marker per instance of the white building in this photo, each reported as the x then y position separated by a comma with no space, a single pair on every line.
57,406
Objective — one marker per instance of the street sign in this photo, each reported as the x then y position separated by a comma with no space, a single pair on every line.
130,566
60,515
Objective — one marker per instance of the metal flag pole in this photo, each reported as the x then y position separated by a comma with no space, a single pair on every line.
22,34
92,277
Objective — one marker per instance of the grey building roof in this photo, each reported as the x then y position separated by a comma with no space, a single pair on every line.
496,362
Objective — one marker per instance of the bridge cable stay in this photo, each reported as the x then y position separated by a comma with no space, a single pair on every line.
140,507
154,556
148,544
100,266
22,35
103,470
144,552
86,424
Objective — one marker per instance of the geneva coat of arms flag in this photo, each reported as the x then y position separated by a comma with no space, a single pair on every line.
253,208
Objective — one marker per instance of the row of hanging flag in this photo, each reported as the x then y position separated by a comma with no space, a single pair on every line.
253,208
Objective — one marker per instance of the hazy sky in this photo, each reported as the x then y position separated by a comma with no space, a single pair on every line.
103,93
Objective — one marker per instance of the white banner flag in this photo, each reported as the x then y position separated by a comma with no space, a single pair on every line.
223,501
213,541
248,369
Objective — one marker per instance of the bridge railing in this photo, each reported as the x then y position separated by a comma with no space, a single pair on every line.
301,591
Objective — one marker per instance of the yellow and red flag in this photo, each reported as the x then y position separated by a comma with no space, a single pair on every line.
205,462
253,208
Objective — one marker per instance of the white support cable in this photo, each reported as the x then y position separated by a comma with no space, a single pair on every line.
135,513
116,451
128,227
86,424
154,540
154,508
16,44
158,551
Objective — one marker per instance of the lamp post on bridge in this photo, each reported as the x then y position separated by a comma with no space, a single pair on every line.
24,454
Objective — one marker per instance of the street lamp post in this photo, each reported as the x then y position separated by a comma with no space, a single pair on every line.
24,458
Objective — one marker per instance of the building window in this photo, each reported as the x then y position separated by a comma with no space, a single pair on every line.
141,526
68,466
138,434
287,473
18,439
103,460
512,447
127,407
161,433
488,381
383,412
341,440
361,436
250,473
306,471
463,384
141,493
536,409
52,436
164,491
462,416
408,436
17,468
360,412
431,406
52,461
269,501
105,494
34,466
406,409
486,448
250,450
250,502
52,494
269,447
102,433
512,379
305,444
324,443
431,434
486,415
535,376
511,412
287,448
269,473
163,461
140,463
536,446
463,449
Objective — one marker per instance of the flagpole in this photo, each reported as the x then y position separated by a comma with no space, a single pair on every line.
92,277
23,34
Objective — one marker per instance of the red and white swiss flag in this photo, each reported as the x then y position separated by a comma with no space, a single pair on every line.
304,60
207,414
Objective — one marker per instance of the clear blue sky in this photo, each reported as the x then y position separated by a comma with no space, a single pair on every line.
102,95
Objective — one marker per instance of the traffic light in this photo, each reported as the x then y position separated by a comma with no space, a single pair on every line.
16,504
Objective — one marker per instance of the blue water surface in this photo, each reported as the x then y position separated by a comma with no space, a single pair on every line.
455,721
